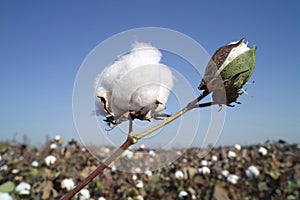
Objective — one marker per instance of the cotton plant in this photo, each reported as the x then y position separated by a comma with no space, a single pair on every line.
137,85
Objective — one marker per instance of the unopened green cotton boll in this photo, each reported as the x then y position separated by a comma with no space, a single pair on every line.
227,72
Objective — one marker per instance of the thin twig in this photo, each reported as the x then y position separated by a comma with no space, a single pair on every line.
188,107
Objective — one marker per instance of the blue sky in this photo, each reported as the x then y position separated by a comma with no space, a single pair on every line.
44,43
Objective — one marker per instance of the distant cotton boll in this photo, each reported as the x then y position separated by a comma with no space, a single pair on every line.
185,160
134,177
139,184
151,153
148,172
136,82
225,173
113,168
53,146
23,188
142,146
5,196
127,153
214,158
204,170
232,178
106,150
83,194
3,167
57,137
231,154
179,174
15,171
262,151
252,171
238,147
183,194
139,197
67,184
204,163
50,160
101,198
35,163
138,170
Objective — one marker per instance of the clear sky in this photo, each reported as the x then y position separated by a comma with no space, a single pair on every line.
43,43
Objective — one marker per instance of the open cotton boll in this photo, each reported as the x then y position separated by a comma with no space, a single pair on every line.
140,55
135,85
142,87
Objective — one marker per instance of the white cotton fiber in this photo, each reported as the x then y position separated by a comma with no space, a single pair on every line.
136,82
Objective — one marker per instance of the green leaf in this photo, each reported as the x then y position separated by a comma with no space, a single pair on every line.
7,187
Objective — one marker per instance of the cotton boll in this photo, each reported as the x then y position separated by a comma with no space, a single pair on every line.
23,188
83,194
214,158
204,163
139,197
148,172
179,174
135,83
237,147
5,196
225,173
183,195
67,184
262,151
139,184
35,163
204,170
252,171
233,179
231,154
49,160
53,146
142,89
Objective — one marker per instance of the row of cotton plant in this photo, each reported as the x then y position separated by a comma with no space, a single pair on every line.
253,171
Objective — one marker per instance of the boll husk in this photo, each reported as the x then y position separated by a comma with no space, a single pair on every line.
228,71
136,85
